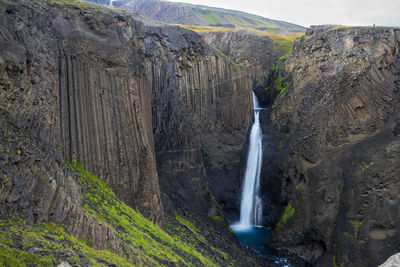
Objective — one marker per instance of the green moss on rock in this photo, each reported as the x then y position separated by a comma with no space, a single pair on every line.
217,219
289,212
356,226
48,245
142,241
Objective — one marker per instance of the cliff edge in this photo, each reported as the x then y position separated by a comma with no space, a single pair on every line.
342,174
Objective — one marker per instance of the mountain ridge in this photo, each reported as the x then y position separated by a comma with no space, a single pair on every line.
201,15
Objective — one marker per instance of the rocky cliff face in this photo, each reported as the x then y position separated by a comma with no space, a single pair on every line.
201,113
78,84
253,52
72,83
342,167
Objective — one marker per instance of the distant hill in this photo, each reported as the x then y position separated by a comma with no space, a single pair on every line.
188,14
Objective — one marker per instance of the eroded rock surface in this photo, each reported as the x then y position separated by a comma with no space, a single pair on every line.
201,113
72,82
342,176
253,52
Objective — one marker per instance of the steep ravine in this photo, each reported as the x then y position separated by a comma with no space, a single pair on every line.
255,53
201,114
341,170
88,94
104,118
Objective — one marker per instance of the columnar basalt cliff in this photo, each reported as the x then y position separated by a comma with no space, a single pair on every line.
72,80
88,84
342,179
254,52
201,113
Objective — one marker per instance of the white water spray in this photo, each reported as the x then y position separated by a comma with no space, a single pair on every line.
251,205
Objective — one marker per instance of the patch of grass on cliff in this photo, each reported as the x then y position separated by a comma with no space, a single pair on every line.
75,4
289,212
205,28
302,38
280,83
196,237
48,245
217,219
211,17
226,57
286,45
142,241
356,226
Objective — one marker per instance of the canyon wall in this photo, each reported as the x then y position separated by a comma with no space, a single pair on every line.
72,82
342,179
253,52
91,84
201,114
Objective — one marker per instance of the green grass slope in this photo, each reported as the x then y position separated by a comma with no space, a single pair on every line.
213,16
140,242
199,15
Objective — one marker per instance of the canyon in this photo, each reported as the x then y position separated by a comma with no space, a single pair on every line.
107,116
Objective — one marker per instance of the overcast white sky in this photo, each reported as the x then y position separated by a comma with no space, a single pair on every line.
312,12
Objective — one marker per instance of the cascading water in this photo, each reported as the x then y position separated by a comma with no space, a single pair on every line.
249,229
251,205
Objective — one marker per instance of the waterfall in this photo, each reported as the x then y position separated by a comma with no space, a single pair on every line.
251,205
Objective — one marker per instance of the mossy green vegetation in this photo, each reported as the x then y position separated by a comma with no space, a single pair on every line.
191,234
356,226
281,144
280,83
186,223
205,28
217,219
48,245
286,44
334,261
142,241
289,212
74,4
227,58
361,167
301,189
210,17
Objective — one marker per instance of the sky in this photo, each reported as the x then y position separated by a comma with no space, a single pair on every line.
315,12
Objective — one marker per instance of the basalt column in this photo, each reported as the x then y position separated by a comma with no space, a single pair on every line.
201,113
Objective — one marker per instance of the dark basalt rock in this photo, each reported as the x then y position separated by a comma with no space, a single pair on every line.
78,83
254,53
342,166
201,113
71,81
